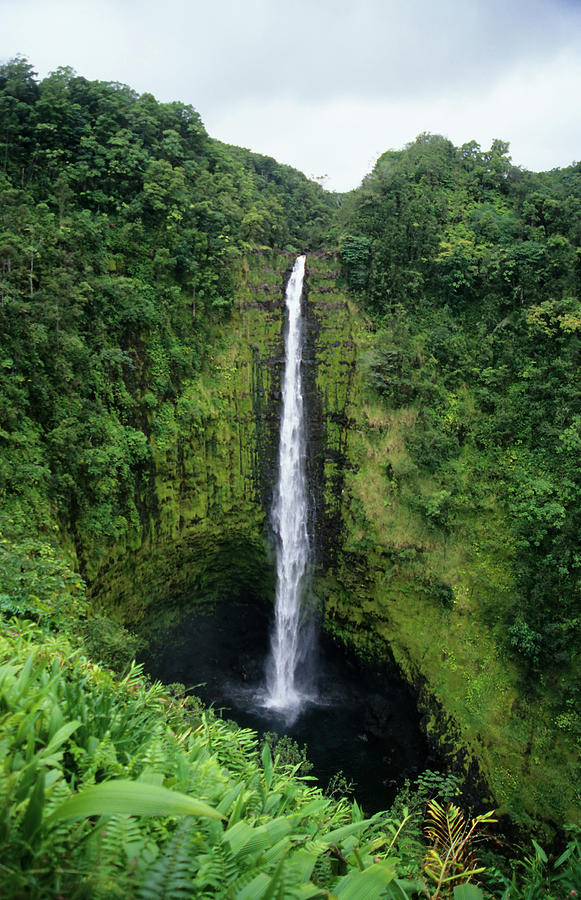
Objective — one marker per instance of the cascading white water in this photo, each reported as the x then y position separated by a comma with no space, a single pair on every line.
289,518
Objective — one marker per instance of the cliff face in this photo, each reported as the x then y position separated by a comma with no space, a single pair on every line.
203,512
387,585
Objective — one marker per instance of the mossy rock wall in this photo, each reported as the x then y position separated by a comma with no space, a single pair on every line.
204,510
204,526
388,585
394,587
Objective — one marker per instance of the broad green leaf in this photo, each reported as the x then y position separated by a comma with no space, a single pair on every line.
254,889
337,835
278,828
56,721
307,891
238,836
275,803
239,806
565,855
313,808
302,863
60,737
130,798
23,679
395,890
286,798
357,812
540,852
229,798
33,815
366,885
277,851
267,763
467,892
245,840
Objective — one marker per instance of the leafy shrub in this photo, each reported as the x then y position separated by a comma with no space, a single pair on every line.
525,641
288,752
36,582
431,446
107,789
340,786
110,643
355,255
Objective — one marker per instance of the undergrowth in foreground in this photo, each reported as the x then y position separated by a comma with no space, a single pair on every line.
111,787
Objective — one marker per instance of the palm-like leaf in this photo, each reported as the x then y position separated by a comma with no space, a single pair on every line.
450,858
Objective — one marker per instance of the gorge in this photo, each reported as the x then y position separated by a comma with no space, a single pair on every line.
371,734
143,270
211,511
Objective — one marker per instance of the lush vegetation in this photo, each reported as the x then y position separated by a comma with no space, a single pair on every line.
122,228
111,787
121,222
471,269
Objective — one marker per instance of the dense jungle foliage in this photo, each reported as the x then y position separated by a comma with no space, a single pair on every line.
471,269
121,222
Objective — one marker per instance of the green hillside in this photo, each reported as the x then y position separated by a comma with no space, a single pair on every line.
468,480
141,273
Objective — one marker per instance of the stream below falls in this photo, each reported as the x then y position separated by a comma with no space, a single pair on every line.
364,721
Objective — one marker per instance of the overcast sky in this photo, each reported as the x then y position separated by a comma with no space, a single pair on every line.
328,85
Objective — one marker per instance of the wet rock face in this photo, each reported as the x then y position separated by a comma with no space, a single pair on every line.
328,368
197,576
329,363
209,492
211,485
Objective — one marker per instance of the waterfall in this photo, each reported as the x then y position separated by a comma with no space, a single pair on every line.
289,641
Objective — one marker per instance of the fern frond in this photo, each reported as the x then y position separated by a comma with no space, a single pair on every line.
169,877
217,869
107,851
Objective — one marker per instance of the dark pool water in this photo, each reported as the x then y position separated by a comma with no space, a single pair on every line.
363,721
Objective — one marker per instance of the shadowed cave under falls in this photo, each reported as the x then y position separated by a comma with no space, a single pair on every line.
280,676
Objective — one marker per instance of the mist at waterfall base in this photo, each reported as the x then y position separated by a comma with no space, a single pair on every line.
363,722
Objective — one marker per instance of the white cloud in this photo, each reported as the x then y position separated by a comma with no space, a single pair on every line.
327,85
533,107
